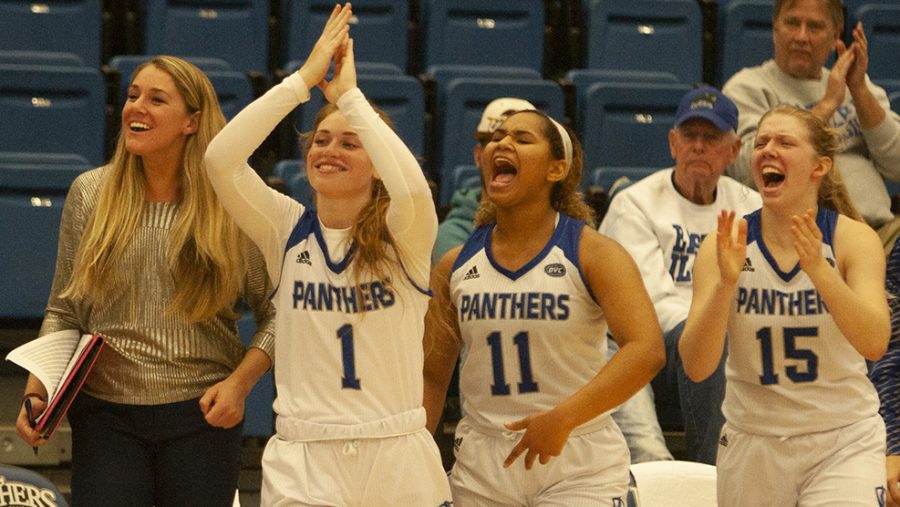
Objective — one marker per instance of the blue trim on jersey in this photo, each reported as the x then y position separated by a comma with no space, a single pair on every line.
826,220
566,236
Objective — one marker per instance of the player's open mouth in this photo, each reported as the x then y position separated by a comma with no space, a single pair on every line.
504,171
772,177
137,126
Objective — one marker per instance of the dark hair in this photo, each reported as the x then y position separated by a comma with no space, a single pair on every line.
564,196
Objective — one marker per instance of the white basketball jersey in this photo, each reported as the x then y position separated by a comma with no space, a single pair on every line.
532,337
790,370
348,351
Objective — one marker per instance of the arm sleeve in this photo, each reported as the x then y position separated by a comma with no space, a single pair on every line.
411,217
265,215
630,227
883,141
61,313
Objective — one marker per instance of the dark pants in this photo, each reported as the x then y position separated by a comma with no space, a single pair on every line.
698,405
146,455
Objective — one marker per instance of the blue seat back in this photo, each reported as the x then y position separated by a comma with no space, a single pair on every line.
53,109
475,32
233,30
33,189
461,176
72,26
293,173
652,35
259,416
745,35
627,124
378,28
881,22
24,483
461,102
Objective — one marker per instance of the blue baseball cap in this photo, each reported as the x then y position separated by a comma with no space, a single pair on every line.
710,104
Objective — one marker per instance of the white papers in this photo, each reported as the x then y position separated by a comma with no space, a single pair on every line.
49,358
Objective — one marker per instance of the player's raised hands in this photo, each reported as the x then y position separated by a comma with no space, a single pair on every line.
344,73
334,36
731,246
808,242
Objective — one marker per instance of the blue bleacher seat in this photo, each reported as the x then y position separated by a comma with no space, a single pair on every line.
33,188
584,78
53,109
378,28
400,96
233,30
259,417
233,88
72,26
654,35
293,174
744,35
460,103
627,124
881,22
462,176
606,176
483,32
41,58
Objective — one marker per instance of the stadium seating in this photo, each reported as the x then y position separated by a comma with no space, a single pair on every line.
651,35
53,109
293,174
233,30
607,177
881,22
22,485
73,26
483,32
378,27
460,102
259,417
745,35
627,124
33,188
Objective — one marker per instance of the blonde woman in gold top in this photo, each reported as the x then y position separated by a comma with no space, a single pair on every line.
150,259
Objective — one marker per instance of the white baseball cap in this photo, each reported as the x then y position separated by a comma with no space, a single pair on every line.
498,110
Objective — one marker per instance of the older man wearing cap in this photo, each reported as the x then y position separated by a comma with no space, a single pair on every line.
457,225
661,221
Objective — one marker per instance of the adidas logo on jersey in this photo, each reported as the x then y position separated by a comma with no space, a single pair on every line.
724,440
471,274
303,258
457,443
747,265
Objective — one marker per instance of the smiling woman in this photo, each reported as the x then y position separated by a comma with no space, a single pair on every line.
149,258
351,308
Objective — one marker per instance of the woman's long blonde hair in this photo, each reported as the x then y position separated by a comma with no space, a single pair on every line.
564,196
206,251
824,140
370,234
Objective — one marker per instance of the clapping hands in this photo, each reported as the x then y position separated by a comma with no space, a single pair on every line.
334,45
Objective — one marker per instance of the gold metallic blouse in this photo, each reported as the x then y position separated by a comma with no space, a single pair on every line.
152,355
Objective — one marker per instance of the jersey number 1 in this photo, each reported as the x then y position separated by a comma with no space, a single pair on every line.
500,387
349,380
